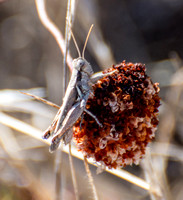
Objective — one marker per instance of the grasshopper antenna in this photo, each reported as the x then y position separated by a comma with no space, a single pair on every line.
87,40
79,53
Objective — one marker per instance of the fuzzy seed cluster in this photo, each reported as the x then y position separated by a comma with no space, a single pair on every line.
126,104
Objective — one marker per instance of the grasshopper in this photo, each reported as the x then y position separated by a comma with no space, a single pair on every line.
75,99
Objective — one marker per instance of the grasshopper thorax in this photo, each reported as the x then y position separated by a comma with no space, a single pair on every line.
82,65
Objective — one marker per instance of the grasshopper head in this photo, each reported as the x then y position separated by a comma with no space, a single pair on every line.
82,65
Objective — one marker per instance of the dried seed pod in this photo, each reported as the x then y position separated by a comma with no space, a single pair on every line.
126,103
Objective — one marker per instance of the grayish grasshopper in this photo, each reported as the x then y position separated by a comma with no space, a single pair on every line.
75,99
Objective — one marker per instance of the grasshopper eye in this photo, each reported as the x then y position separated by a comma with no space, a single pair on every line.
80,63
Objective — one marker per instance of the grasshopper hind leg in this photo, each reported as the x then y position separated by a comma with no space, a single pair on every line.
65,132
54,144
67,137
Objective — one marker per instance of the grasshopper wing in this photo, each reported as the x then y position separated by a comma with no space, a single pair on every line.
69,98
68,101
70,119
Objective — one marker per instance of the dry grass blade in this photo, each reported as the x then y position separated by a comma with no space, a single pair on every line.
58,174
20,126
10,96
36,133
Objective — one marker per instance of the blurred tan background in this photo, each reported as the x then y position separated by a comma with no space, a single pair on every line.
146,31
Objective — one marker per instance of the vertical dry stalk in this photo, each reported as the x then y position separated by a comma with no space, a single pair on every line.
69,19
156,190
69,22
73,174
58,174
90,178
51,27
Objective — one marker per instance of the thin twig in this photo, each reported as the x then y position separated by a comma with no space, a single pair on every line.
69,19
91,182
73,174
52,28
41,99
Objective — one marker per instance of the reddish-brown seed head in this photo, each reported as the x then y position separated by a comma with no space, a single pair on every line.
126,103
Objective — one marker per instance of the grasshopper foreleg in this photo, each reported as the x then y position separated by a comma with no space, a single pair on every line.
82,117
87,111
94,117
80,95
97,76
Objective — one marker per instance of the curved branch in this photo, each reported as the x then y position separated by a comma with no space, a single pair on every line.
52,28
